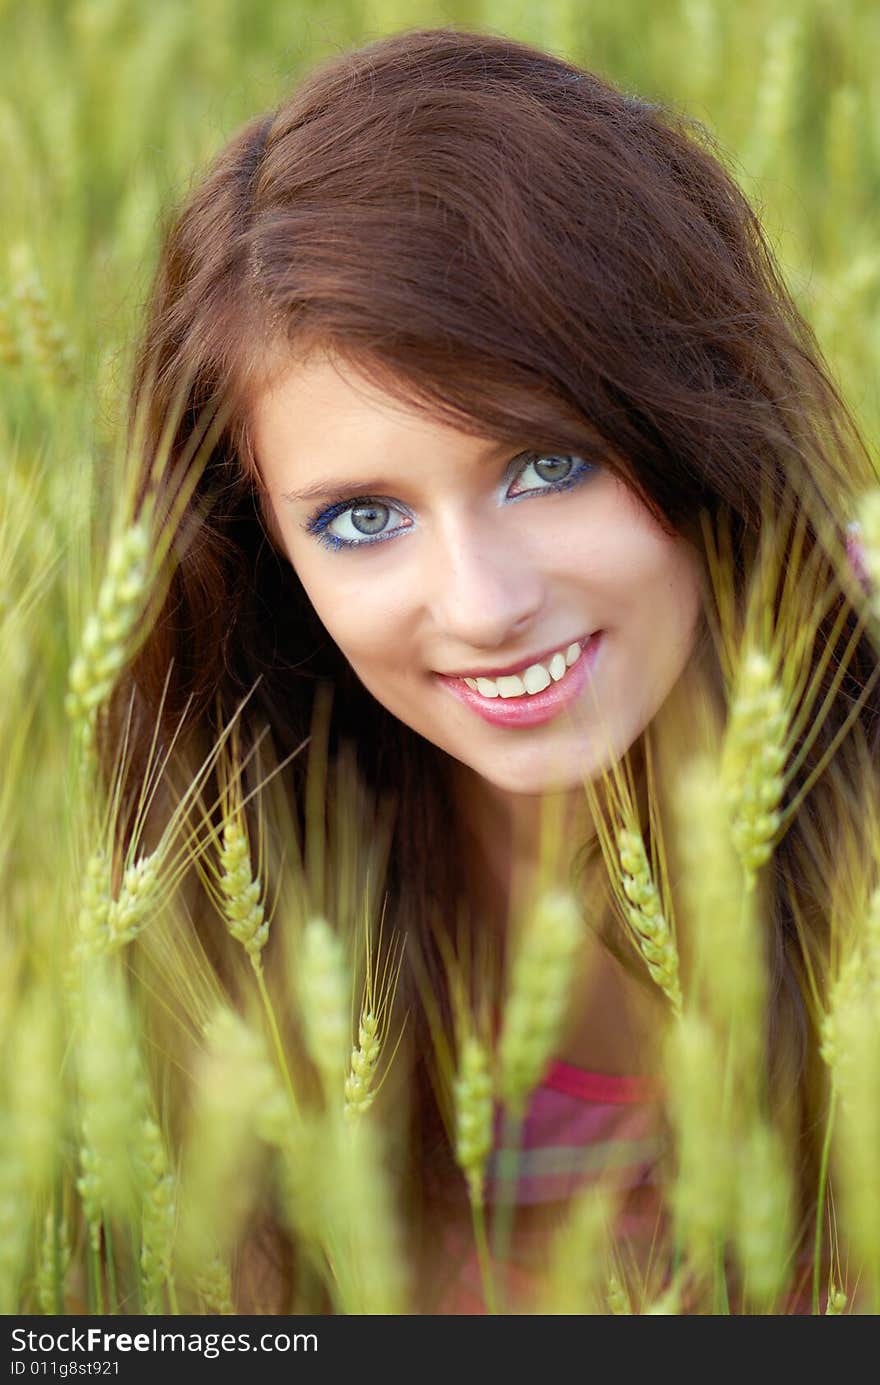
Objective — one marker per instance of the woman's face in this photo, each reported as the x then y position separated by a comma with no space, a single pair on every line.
472,559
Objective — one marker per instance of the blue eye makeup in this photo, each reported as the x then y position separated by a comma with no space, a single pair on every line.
363,519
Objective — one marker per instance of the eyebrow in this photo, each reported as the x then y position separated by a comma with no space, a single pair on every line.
331,487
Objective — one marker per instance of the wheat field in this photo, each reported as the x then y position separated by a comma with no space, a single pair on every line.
108,109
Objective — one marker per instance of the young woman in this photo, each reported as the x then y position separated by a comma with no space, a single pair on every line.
452,276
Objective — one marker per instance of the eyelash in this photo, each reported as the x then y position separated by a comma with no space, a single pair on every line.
319,522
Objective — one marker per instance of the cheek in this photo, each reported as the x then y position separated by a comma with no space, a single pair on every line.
657,573
611,541
686,582
335,609
652,585
327,597
364,619
670,612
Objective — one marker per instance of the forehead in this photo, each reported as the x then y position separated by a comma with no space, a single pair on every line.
316,386
336,390
325,413
319,408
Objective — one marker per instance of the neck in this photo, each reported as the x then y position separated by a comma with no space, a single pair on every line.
511,837
611,1024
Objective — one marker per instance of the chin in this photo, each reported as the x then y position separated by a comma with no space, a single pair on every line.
539,779
538,774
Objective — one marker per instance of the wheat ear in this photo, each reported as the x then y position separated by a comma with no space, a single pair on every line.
158,1214
380,986
537,995
44,338
107,637
764,1221
473,1115
651,932
243,907
323,992
752,760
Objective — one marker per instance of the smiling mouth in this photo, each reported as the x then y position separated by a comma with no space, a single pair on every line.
512,706
531,679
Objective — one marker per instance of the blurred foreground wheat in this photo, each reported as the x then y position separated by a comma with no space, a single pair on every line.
119,1190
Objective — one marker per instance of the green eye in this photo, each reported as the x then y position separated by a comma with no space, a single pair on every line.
366,517
555,471
370,519
552,464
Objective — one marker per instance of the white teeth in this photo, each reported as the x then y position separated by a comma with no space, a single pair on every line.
533,680
557,667
536,678
511,685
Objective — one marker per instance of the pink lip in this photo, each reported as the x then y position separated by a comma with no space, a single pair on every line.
530,710
525,662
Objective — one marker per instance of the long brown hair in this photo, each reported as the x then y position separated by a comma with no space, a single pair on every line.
512,244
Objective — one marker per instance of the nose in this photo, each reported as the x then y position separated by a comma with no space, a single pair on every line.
485,591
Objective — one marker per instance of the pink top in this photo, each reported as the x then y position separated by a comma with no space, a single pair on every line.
579,1127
